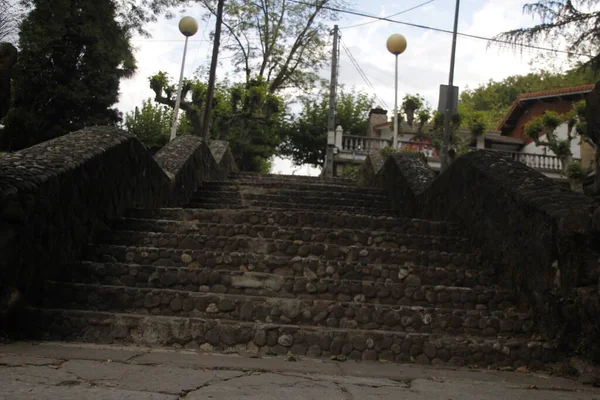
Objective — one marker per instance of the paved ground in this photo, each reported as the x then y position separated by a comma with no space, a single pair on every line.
76,371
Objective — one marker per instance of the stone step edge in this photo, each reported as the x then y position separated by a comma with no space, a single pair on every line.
233,187
265,298
421,268
320,313
284,228
246,236
389,285
183,331
292,212
152,248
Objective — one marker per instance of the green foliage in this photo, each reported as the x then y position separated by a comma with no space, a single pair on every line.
133,15
68,72
477,123
494,99
534,128
350,172
575,21
151,124
387,151
551,120
413,104
247,115
458,144
575,171
306,134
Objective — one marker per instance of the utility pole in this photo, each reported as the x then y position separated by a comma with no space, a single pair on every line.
450,96
210,92
332,102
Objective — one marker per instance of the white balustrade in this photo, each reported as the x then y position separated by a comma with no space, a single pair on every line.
364,145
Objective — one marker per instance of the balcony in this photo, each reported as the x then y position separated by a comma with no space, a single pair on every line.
354,149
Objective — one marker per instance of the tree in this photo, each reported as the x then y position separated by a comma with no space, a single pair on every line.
577,21
73,55
10,16
281,42
8,58
151,124
412,104
245,114
133,15
306,134
547,124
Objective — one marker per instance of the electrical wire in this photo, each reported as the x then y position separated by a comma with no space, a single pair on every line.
392,15
362,14
361,72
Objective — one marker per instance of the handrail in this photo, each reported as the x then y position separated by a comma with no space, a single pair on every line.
364,145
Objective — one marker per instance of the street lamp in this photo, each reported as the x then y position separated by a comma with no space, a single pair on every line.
396,44
188,27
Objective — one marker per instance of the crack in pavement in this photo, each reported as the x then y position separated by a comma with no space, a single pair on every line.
345,392
332,378
184,393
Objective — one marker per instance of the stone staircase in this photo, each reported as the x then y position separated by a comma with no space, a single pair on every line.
279,264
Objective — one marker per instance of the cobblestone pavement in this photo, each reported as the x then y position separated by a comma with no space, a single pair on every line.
80,371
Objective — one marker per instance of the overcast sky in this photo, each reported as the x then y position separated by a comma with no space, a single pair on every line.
422,68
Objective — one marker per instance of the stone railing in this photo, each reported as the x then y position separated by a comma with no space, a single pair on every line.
55,196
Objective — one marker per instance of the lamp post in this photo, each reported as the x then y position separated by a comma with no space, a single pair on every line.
188,27
396,44
450,96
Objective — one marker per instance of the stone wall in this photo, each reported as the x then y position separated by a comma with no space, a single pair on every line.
368,172
56,195
188,162
539,235
223,157
405,177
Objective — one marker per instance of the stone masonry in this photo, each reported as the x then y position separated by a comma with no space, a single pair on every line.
291,265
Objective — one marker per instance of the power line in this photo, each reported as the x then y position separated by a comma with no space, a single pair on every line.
362,14
393,15
361,72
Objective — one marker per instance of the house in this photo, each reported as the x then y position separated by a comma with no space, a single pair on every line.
531,105
508,137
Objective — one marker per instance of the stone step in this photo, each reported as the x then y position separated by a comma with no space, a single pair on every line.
238,190
298,219
235,186
306,312
410,292
289,178
332,202
216,206
220,335
287,206
217,264
369,240
278,251
263,205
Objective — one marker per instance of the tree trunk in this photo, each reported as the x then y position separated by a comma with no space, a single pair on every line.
206,118
596,187
592,118
8,58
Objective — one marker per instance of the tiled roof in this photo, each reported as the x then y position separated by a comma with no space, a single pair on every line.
556,92
544,93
